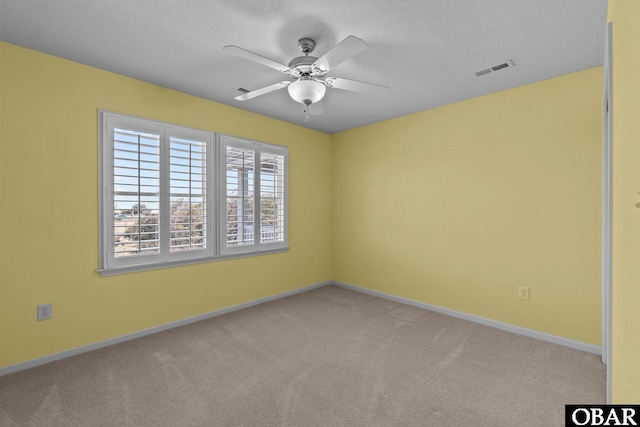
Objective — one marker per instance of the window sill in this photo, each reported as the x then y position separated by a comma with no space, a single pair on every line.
105,272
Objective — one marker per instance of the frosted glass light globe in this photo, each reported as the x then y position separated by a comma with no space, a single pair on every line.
306,91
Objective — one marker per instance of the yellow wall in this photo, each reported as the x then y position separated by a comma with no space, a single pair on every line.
456,207
460,205
625,16
49,210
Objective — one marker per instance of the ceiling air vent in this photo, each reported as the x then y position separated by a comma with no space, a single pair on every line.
500,67
243,90
506,64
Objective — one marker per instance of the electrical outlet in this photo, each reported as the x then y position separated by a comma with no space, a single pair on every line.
523,293
315,260
44,311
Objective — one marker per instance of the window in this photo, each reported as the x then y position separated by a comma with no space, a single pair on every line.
172,195
254,184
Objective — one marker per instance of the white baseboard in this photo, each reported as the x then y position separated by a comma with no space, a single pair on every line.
577,345
589,348
117,340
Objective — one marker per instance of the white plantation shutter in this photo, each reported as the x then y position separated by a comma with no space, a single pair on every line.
171,195
272,197
187,194
136,194
155,184
255,196
240,201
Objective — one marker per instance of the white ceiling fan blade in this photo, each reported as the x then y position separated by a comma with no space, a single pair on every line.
244,53
352,85
263,91
347,48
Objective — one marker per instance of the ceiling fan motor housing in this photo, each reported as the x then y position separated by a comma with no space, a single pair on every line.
303,64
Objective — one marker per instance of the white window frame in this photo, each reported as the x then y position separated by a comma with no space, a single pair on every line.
215,218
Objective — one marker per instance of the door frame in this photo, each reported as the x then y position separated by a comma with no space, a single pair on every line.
607,169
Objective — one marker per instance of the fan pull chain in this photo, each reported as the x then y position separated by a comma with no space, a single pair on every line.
306,111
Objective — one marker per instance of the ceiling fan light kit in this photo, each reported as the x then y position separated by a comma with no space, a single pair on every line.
306,91
309,85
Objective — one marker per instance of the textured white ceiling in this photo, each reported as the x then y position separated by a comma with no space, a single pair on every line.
426,52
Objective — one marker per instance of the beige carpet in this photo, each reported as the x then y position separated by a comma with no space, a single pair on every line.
326,357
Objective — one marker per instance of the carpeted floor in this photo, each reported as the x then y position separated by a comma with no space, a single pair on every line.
325,357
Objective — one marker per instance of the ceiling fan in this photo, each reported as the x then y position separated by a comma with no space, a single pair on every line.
308,73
